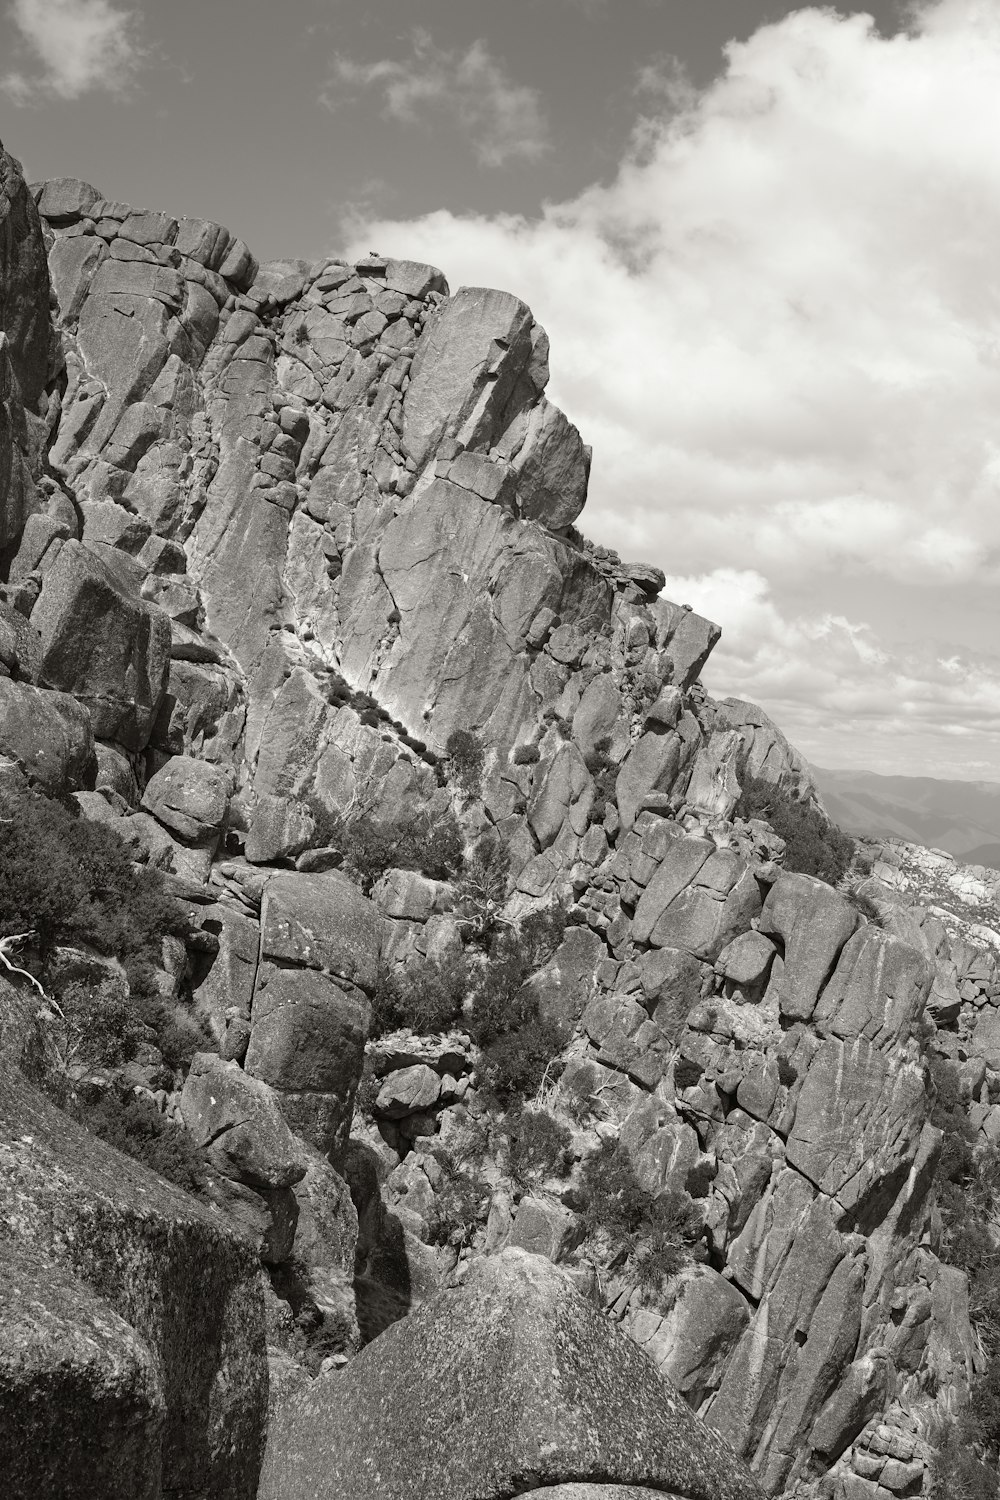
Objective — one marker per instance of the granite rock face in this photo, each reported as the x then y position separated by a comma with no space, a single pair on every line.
268,536
512,1376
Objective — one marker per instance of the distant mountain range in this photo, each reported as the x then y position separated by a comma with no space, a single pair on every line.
961,817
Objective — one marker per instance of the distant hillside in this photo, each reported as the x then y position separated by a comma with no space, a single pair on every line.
962,817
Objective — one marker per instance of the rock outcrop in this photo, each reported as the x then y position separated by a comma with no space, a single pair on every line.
269,537
511,1381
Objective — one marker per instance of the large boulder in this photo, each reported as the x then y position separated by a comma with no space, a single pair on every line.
151,1259
102,643
237,1118
81,1404
307,1041
512,1379
322,922
190,797
49,735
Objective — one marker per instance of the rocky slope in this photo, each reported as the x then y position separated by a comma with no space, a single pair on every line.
272,535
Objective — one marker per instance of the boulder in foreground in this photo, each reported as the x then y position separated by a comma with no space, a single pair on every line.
508,1383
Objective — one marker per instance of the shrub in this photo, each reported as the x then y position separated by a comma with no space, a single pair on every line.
432,845
70,880
367,1091
538,1145
527,755
864,904
813,845
605,774
956,1471
466,760
653,1235
427,998
514,1065
134,1127
98,1026
482,888
459,1206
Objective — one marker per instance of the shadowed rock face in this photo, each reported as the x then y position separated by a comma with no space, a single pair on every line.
152,1321
509,1379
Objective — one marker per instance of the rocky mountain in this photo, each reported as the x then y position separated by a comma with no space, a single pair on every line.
960,817
514,1057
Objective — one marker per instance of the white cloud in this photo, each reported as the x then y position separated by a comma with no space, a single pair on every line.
503,119
779,327
780,324
832,685
81,45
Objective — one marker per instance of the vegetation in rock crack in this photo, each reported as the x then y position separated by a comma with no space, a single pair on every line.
813,845
482,888
430,844
460,1205
427,998
652,1236
537,1145
605,774
488,996
519,1046
466,759
69,881
968,1189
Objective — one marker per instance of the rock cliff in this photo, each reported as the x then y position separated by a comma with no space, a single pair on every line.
291,549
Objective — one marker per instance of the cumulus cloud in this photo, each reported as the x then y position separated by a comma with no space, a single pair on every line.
833,685
779,324
81,46
503,119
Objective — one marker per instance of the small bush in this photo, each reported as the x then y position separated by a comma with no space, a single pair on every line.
527,755
605,774
864,904
367,1090
427,998
538,1145
482,888
98,1027
433,846
466,760
654,1236
957,1473
134,1127
517,1062
813,846
519,1047
69,880
459,1207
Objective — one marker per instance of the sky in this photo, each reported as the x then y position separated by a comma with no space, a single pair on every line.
764,241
